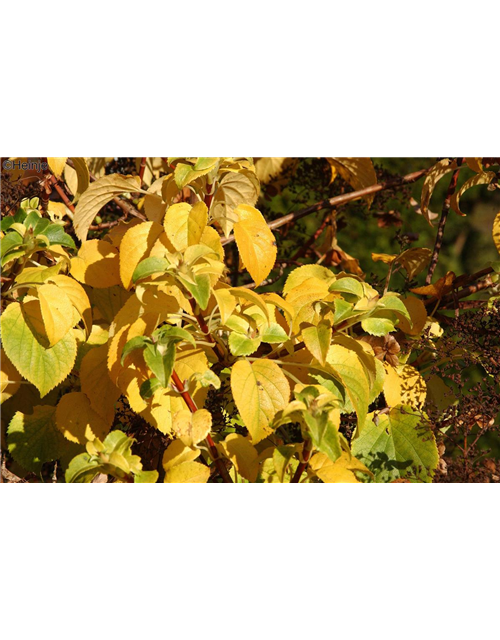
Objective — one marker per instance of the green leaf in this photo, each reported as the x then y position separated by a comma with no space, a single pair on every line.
56,235
241,345
349,370
201,290
324,434
274,334
167,334
149,266
392,302
146,476
348,285
160,361
139,342
393,443
82,468
149,387
377,326
43,367
10,241
35,439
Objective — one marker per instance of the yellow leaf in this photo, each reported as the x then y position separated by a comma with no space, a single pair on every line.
418,315
9,378
57,312
97,264
178,453
358,172
57,165
78,178
243,455
97,384
184,224
135,246
226,301
480,178
236,188
383,257
57,210
259,391
496,231
301,274
475,164
192,428
188,472
97,195
268,168
439,289
415,260
250,296
404,385
439,170
317,339
77,421
255,241
342,470
78,297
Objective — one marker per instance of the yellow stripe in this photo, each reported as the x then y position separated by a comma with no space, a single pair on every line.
293,561
276,560
185,509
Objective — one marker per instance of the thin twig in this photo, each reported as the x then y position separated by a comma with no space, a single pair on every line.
442,223
342,199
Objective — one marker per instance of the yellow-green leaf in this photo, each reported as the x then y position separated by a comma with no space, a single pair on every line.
43,366
317,339
349,370
34,439
259,391
256,243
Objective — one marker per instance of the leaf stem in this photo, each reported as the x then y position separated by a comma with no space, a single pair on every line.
211,444
306,454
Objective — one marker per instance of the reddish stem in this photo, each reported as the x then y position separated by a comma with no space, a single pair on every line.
142,169
211,444
306,454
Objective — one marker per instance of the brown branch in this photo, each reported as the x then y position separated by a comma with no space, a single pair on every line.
211,444
55,183
205,330
442,223
342,199
306,454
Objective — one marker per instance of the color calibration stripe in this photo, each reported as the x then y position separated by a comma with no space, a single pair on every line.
125,561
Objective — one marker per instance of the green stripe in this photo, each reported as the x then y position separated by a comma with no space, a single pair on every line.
342,562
